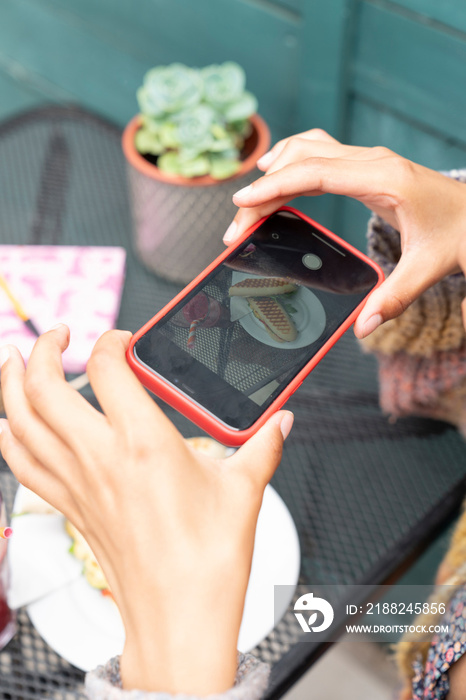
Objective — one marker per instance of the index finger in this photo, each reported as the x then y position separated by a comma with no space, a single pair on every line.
245,218
62,408
359,179
311,135
119,392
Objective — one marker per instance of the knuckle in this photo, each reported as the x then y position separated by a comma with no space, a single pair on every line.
281,144
397,304
5,449
292,146
18,428
318,167
319,134
35,386
99,358
400,169
382,152
404,168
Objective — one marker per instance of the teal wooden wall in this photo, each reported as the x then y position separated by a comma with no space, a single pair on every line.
369,71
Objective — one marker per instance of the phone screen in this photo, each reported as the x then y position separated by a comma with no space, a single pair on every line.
237,340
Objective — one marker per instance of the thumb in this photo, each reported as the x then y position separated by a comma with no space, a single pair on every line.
410,278
260,455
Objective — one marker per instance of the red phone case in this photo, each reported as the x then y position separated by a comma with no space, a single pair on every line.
182,403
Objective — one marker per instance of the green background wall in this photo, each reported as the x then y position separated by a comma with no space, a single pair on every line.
369,71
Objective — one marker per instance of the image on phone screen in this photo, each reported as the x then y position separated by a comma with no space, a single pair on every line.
237,340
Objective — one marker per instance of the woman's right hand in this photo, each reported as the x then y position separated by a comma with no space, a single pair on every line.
428,208
172,529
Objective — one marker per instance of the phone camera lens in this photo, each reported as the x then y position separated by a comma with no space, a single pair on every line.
312,262
276,236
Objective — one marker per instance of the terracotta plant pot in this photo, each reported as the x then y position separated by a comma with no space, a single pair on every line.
178,223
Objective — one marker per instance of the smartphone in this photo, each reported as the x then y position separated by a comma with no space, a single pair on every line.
232,347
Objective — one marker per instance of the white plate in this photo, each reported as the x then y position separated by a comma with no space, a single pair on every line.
85,628
310,317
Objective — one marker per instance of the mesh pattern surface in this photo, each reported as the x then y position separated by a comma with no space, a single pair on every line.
228,351
364,493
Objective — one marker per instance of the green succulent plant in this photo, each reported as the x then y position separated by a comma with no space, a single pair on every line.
195,121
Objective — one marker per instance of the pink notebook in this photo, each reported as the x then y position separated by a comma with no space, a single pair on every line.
77,285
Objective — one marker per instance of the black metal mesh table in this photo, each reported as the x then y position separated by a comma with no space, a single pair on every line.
365,494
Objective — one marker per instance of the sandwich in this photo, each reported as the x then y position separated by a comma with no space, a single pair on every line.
91,568
274,318
262,287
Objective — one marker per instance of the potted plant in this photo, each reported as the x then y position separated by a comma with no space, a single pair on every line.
195,142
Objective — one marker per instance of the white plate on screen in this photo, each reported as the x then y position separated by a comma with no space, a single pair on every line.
310,317
85,628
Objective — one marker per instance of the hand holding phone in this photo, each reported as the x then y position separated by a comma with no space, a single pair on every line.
233,346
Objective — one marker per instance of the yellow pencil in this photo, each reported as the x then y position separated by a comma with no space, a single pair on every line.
20,312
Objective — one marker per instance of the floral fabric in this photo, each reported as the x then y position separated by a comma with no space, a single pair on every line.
431,681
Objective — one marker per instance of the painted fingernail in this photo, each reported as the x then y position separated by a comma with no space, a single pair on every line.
371,324
286,424
4,355
230,232
264,162
243,193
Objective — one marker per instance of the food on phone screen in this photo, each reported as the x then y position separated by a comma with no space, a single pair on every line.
205,310
274,318
197,308
262,287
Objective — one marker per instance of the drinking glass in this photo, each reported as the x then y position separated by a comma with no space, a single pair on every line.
7,617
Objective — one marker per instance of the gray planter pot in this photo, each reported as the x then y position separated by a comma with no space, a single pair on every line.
178,224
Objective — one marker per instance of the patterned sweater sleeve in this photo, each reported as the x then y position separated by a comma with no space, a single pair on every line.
250,683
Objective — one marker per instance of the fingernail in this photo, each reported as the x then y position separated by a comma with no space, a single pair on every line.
264,162
286,424
3,425
57,326
230,232
242,193
371,324
4,355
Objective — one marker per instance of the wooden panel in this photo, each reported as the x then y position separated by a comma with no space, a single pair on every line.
294,6
108,45
372,126
15,97
323,42
325,32
75,62
412,68
452,13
